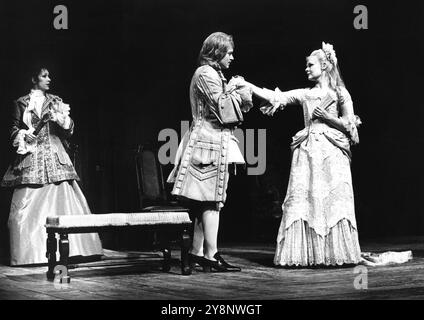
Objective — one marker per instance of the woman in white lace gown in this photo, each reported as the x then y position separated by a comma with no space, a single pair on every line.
318,225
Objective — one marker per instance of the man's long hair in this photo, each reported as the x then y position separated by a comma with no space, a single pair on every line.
214,48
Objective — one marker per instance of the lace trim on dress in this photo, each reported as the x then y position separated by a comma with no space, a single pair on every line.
302,246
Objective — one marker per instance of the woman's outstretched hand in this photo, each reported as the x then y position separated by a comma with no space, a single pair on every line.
269,109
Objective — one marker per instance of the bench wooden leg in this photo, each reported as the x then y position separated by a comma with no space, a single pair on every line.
166,264
166,250
185,246
51,254
64,255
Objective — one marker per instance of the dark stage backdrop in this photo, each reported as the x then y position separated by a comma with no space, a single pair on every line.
125,68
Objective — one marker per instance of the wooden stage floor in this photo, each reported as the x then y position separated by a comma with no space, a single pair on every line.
137,276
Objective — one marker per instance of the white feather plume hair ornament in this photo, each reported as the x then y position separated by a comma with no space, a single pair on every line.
329,52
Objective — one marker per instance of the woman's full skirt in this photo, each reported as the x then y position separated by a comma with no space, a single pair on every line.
318,225
29,209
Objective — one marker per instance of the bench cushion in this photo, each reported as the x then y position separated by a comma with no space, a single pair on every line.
118,219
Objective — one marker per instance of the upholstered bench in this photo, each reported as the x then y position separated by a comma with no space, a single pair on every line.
161,221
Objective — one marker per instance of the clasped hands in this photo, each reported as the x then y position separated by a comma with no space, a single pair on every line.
271,105
237,82
320,113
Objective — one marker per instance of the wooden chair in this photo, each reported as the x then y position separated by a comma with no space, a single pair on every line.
150,181
152,193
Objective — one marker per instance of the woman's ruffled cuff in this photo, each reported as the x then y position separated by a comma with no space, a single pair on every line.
63,121
273,97
277,99
61,115
351,127
22,146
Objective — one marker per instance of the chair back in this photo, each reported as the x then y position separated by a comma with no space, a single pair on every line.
150,182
